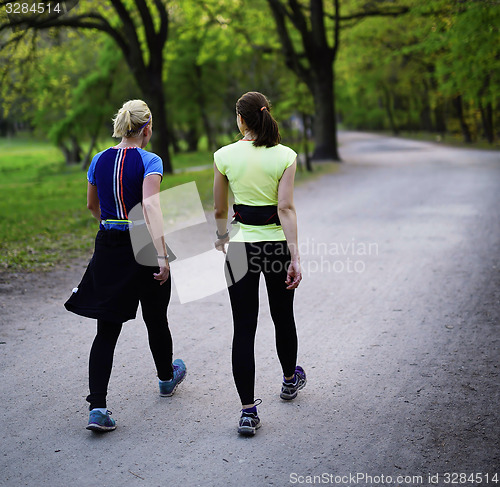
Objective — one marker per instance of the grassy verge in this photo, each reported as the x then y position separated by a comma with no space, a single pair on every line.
447,139
43,205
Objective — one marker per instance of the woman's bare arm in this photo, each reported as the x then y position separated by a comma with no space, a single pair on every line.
154,221
288,219
93,201
221,190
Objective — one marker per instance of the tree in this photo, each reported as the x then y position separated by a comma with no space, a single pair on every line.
41,77
468,67
435,69
382,82
64,90
218,50
314,62
199,62
97,94
140,30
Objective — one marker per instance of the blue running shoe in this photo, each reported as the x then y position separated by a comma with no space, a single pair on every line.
168,387
101,422
289,389
249,421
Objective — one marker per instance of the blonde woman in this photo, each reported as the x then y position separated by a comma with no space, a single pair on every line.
114,283
260,172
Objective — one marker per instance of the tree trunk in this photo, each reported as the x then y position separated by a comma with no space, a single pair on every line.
155,98
440,110
87,158
388,108
439,119
202,103
192,138
425,118
317,73
457,104
4,129
174,140
305,142
487,120
425,112
325,123
72,152
212,144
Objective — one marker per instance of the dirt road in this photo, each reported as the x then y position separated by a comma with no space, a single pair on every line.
398,317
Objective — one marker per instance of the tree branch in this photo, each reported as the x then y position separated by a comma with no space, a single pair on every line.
17,39
298,19
215,20
336,29
147,21
18,86
135,58
318,24
351,24
163,32
395,12
291,58
84,21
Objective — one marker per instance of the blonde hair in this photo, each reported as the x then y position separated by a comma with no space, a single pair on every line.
131,119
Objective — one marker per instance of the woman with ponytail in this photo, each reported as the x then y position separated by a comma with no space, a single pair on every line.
260,172
114,283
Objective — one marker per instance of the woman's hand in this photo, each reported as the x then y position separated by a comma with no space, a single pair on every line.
162,276
294,275
220,244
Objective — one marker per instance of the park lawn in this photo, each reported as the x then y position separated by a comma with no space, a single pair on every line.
453,140
43,205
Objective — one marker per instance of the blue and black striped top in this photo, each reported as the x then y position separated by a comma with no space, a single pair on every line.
119,175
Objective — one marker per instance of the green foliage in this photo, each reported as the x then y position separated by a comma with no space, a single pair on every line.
402,73
471,61
376,79
392,72
97,95
218,50
42,207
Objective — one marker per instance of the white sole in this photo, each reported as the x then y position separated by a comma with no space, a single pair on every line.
248,430
98,427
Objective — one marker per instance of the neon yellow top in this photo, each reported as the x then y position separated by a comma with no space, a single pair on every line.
254,174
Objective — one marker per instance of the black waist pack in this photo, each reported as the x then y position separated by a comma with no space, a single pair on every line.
256,215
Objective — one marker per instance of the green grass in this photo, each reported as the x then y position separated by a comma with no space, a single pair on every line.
454,140
185,160
43,205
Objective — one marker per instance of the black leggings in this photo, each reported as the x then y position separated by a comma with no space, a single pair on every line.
272,259
154,302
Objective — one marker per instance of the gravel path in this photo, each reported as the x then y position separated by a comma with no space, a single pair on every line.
398,318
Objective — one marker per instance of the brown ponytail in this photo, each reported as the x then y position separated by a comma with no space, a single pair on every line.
255,110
